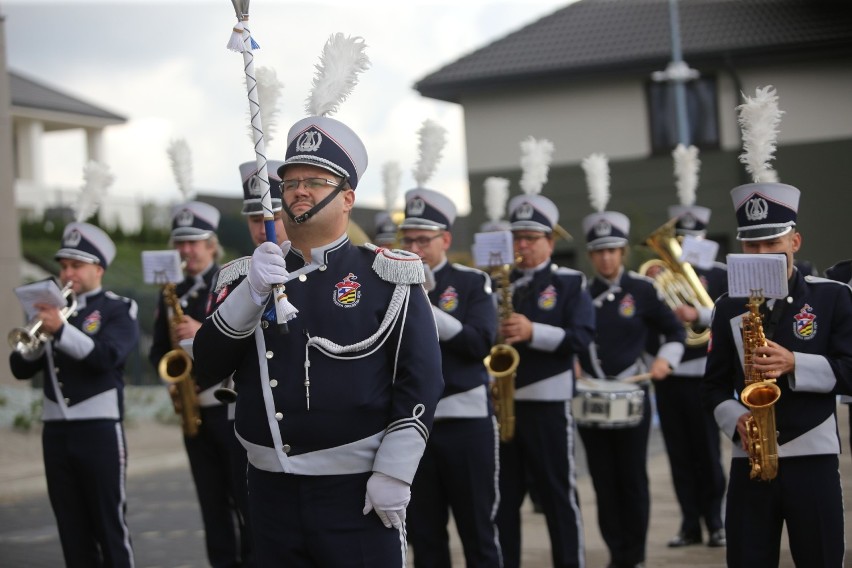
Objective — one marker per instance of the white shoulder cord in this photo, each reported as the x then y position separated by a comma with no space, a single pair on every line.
399,299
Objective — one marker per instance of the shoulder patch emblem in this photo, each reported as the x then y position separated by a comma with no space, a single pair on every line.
547,299
347,292
92,323
449,299
627,306
805,324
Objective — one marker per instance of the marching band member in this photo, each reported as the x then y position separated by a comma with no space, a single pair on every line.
808,353
553,320
193,235
85,451
458,470
628,310
689,431
334,414
842,272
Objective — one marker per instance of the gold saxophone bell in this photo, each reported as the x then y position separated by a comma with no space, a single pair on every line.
175,368
759,396
677,281
502,363
29,339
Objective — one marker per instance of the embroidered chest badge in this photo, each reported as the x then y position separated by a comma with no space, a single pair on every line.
627,306
804,323
449,299
347,292
92,323
547,299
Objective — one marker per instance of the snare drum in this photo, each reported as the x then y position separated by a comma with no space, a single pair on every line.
602,403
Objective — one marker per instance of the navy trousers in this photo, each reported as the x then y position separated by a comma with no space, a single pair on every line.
543,448
301,521
458,471
85,463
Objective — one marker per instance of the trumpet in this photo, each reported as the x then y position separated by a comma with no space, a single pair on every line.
29,339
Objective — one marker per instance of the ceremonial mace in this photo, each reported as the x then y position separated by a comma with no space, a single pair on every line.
242,42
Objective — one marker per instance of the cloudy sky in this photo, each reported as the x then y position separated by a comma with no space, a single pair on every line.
166,68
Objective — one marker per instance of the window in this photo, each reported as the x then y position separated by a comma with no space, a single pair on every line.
702,114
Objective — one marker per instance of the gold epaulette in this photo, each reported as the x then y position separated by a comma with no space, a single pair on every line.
397,266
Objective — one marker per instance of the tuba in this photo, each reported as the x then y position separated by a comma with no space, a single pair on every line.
175,368
677,281
760,396
502,363
29,339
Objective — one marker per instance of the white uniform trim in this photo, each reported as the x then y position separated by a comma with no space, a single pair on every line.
468,404
812,373
74,343
238,315
557,387
448,326
546,337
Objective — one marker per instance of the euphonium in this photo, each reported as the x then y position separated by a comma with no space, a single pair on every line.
502,365
677,281
175,367
760,396
29,339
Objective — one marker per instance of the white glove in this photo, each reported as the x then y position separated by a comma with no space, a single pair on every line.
267,269
389,497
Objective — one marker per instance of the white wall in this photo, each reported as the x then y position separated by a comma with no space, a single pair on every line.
610,115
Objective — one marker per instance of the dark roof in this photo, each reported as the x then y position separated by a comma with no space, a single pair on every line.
599,37
28,93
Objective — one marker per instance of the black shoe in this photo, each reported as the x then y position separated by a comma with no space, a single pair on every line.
683,539
717,539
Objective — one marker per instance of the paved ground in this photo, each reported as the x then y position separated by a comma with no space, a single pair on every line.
166,527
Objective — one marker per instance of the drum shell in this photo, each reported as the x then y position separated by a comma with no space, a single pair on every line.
610,404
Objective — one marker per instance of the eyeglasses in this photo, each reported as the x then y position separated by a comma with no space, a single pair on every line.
313,184
526,238
421,242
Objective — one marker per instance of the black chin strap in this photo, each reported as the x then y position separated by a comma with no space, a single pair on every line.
316,208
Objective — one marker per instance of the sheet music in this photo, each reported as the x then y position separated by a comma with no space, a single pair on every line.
161,267
699,252
41,292
766,272
493,248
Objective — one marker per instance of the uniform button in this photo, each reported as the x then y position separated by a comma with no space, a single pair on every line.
323,267
67,401
279,416
56,370
269,354
61,384
302,277
264,324
273,383
285,448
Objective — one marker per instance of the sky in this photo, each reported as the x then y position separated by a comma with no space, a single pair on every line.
165,67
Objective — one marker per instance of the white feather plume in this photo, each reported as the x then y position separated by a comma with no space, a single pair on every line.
596,167
759,118
96,179
337,73
686,166
433,138
268,94
391,175
496,195
181,160
536,156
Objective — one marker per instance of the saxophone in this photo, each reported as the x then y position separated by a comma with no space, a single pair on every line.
760,396
502,363
175,368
